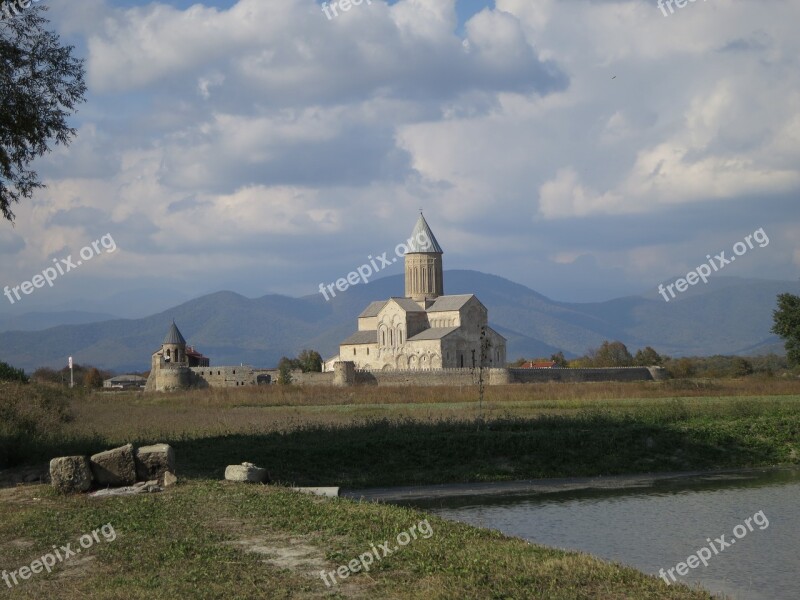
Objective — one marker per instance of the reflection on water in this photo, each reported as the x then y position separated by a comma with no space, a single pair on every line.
658,527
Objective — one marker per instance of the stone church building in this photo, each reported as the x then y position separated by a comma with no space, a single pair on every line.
177,365
424,329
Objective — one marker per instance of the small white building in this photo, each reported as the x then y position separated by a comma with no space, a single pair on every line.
125,382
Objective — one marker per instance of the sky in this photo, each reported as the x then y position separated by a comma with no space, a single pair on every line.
587,149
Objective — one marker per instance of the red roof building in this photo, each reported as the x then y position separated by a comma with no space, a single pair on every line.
542,364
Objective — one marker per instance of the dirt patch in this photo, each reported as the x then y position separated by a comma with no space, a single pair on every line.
285,553
21,543
296,553
23,494
77,567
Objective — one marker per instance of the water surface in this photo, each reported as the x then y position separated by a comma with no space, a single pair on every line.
657,527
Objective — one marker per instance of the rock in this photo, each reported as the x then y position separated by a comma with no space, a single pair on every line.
71,474
115,467
246,472
169,479
153,461
143,487
328,492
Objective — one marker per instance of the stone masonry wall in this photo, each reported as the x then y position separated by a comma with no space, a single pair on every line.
504,376
223,376
418,377
300,378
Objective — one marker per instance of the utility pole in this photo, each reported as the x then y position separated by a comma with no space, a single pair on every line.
481,388
71,378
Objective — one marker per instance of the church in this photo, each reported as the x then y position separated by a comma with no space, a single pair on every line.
424,329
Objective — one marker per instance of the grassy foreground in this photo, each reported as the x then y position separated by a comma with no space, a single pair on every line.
323,436
209,539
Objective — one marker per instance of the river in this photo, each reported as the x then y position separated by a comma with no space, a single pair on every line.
661,525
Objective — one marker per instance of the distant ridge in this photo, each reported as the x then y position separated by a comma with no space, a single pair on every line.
728,316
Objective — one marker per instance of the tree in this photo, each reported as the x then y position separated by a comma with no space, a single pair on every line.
40,85
93,379
559,359
787,325
682,368
611,354
741,367
9,373
647,358
47,375
285,371
310,361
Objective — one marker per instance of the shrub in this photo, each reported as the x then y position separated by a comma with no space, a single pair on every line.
30,415
9,373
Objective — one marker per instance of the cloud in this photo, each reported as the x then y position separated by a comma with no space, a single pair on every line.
576,136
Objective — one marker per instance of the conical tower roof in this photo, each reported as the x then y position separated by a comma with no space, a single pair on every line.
422,238
174,336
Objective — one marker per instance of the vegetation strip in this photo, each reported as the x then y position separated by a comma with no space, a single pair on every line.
209,539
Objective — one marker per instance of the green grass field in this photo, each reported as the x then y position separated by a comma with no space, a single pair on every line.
192,541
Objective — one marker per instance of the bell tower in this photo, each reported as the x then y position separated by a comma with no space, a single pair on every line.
174,346
423,262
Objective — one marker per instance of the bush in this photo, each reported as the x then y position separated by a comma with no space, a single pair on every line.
9,373
30,416
681,368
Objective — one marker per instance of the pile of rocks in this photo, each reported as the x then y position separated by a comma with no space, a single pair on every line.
121,467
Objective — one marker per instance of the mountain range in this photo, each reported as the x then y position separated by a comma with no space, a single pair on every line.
725,316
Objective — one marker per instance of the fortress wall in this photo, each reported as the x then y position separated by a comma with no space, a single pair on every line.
418,377
462,377
300,378
223,376
580,375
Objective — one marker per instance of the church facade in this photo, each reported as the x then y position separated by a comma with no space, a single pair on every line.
424,329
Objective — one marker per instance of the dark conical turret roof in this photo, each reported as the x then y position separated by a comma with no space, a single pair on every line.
174,336
422,238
